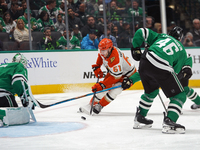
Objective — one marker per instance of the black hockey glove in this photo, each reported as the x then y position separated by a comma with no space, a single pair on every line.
136,53
185,73
126,83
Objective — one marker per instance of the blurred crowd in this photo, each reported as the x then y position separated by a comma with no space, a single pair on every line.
85,24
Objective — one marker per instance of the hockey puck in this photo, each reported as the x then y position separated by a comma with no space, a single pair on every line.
82,117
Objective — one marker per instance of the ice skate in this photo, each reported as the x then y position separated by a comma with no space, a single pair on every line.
195,106
171,127
141,122
97,108
85,109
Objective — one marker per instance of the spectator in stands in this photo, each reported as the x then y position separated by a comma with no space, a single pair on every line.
115,12
90,41
48,42
21,33
44,21
33,21
158,27
115,33
3,7
91,25
196,29
98,6
89,6
14,13
188,40
76,32
109,36
150,23
72,5
10,25
81,13
171,26
125,37
136,11
61,8
60,25
51,9
127,6
72,20
74,42
2,22
23,7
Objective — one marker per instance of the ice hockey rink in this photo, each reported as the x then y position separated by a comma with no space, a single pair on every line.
60,127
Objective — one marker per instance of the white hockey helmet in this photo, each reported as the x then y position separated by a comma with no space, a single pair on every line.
21,59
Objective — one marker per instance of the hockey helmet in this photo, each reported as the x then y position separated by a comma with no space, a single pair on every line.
105,47
21,59
177,33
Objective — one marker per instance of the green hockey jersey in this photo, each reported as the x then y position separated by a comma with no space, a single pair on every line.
41,25
164,49
11,75
74,43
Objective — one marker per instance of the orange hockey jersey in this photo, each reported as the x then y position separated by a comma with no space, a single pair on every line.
118,66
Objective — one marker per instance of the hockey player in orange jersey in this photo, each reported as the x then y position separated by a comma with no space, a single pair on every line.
119,68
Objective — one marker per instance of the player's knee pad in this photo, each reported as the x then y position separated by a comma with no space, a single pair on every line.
178,99
151,95
114,92
14,115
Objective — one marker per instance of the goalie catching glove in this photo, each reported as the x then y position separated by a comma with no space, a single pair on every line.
98,87
136,53
185,73
126,83
97,71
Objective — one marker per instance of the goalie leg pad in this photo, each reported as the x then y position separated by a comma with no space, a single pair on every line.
14,115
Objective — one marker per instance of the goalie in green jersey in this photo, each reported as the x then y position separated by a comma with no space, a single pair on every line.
159,65
13,80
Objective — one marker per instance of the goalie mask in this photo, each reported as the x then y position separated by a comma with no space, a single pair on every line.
105,47
21,59
177,33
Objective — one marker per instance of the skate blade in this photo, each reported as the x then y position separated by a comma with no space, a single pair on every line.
168,130
138,125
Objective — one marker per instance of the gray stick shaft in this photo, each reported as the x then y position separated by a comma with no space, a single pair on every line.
162,102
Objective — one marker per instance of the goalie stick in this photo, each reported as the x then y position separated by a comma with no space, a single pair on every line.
37,103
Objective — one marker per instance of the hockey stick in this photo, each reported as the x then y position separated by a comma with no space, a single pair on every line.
37,103
91,109
162,102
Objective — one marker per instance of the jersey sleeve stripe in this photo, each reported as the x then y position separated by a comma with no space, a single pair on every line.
145,33
159,62
17,77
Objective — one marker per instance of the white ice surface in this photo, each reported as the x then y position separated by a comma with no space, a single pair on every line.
112,129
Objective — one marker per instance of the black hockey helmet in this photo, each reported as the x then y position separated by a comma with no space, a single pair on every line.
176,32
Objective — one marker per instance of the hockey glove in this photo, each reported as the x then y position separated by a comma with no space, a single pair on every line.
185,73
136,53
126,83
97,71
98,87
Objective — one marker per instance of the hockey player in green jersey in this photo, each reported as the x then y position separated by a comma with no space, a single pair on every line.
159,66
11,75
13,80
74,42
